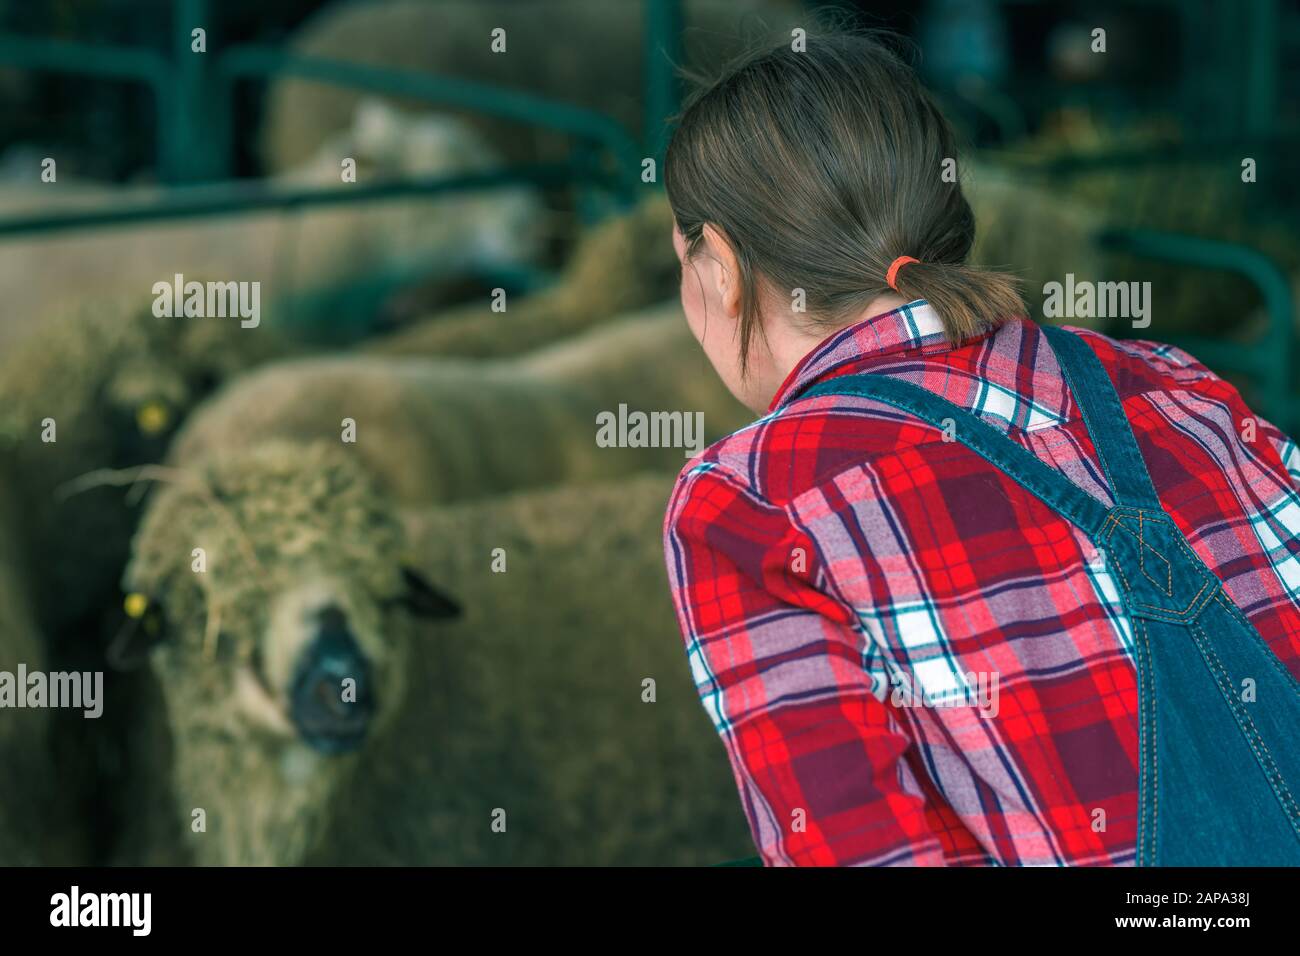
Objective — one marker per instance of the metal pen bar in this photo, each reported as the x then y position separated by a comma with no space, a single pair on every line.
525,108
92,59
227,199
1272,356
663,54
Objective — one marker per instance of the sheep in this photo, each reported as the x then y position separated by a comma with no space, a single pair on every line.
628,262
624,263
439,429
427,432
102,388
37,823
330,528
300,258
1034,233
520,731
587,53
1205,196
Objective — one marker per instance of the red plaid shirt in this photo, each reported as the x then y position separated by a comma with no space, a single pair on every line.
912,660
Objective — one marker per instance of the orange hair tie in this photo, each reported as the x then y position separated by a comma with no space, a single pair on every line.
894,266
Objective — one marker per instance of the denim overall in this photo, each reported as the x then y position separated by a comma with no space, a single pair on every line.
1219,771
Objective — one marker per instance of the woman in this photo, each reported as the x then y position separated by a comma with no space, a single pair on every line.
971,591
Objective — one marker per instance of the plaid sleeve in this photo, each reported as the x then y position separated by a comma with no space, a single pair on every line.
1287,451
1186,369
778,665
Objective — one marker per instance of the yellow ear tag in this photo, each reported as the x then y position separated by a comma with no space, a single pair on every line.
135,605
152,417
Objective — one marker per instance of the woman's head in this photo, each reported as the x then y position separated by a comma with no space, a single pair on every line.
795,181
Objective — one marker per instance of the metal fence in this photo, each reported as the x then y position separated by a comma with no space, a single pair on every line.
194,95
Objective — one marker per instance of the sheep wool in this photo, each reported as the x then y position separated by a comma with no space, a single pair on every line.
101,388
553,722
591,58
625,263
435,430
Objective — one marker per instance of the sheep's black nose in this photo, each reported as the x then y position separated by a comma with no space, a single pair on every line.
331,715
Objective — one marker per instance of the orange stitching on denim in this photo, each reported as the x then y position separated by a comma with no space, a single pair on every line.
1248,729
1147,744
1142,562
1171,615
1231,608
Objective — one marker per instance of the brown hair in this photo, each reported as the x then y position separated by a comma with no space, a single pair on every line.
821,168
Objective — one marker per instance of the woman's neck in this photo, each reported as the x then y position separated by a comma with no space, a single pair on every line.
787,346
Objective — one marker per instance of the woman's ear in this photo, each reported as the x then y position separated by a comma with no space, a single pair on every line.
726,271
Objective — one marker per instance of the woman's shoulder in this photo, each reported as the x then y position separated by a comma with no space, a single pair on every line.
794,450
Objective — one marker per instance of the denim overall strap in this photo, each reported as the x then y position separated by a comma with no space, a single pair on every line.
1054,489
1217,710
1103,416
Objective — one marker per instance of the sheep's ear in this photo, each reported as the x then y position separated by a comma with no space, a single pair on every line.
424,600
143,626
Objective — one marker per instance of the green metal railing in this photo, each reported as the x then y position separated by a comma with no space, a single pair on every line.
1270,360
194,98
194,93
236,198
523,108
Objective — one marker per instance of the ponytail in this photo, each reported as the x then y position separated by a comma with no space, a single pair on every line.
967,300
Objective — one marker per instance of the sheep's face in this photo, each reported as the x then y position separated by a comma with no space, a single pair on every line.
393,143
145,397
125,377
387,143
278,599
167,367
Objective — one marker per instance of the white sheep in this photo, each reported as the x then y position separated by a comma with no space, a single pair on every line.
620,265
297,257
586,53
435,430
552,721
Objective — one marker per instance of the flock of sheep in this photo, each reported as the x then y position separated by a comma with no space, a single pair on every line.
444,528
